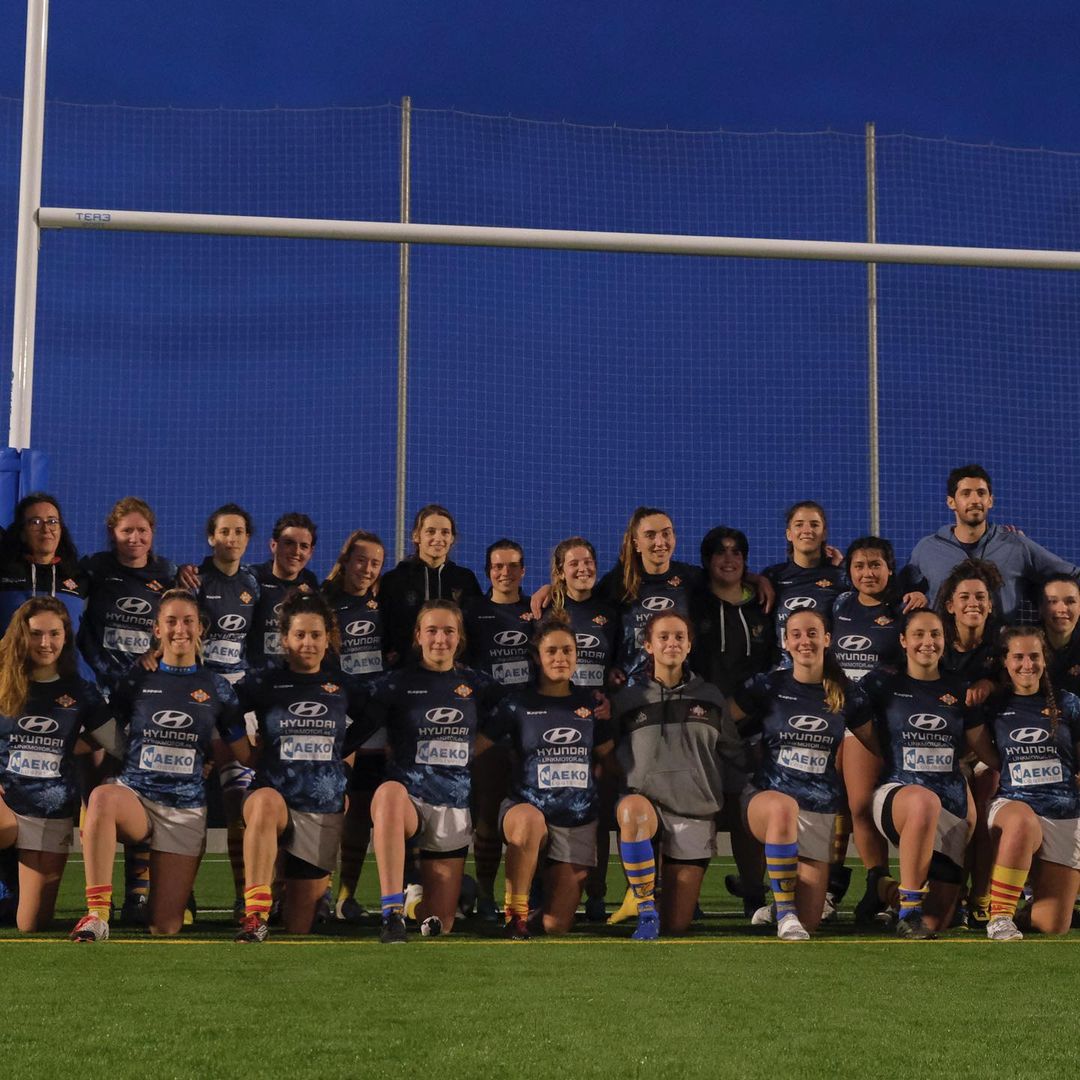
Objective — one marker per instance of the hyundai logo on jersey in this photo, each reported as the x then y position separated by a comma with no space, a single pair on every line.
657,603
808,723
444,716
308,709
927,722
1029,735
797,603
38,725
587,641
562,736
167,718
360,628
232,624
853,643
133,605
510,637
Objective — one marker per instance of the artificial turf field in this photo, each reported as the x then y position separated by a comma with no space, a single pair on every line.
724,1001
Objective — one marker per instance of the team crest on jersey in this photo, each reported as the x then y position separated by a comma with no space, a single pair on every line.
526,616
1048,711
70,584
883,620
456,593
823,583
246,597
372,604
331,687
675,581
757,631
583,712
600,620
65,701
304,587
155,586
463,690
948,699
697,711
200,696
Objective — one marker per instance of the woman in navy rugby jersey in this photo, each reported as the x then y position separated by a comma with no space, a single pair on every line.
965,603
923,805
595,626
44,707
432,712
1037,809
552,808
352,589
801,713
301,758
166,726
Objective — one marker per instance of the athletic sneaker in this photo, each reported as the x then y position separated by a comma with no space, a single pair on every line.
431,926
350,910
414,895
516,928
790,929
254,928
828,910
977,917
136,910
393,930
90,928
1002,928
914,929
648,926
466,904
595,909
764,916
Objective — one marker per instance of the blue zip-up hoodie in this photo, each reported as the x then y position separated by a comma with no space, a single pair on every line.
1024,565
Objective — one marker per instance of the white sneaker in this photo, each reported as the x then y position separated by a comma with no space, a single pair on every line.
828,910
790,929
764,916
1002,928
414,894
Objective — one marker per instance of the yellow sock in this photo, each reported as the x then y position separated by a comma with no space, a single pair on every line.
1006,886
99,900
515,904
257,901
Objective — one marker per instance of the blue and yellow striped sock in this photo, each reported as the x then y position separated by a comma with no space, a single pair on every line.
639,864
782,861
911,901
392,904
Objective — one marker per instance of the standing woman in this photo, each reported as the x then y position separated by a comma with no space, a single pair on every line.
352,589
595,626
671,742
44,706
301,758
801,713
228,595
126,583
1059,610
38,558
432,711
1037,809
427,574
166,725
552,807
922,805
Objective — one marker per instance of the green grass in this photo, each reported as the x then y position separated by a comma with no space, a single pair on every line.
723,1001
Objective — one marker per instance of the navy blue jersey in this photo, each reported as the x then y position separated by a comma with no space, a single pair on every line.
170,720
1064,665
361,625
657,594
982,662
595,625
304,734
432,719
864,636
1038,757
264,641
803,588
498,639
122,604
920,725
553,740
37,747
800,736
228,605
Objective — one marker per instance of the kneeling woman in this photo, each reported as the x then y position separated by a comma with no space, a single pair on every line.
165,725
44,707
923,805
1036,815
432,713
552,806
801,713
671,741
304,748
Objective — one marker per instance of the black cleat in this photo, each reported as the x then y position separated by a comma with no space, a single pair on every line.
393,930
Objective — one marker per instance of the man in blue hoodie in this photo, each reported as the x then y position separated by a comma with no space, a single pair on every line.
1024,565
